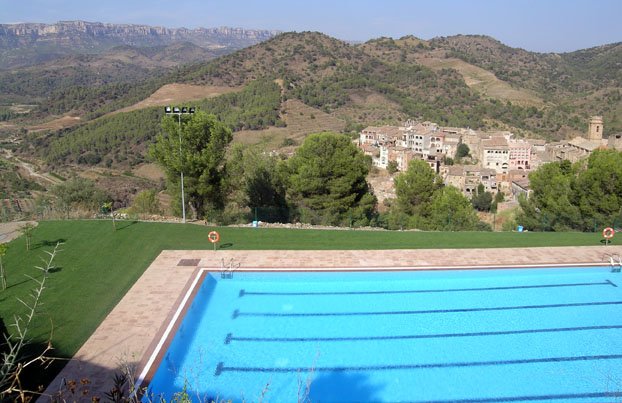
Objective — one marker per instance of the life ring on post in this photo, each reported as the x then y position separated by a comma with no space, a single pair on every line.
608,233
213,237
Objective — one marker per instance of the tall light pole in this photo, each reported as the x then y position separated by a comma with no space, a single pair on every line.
180,111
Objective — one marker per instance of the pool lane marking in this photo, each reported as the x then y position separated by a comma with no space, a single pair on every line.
236,313
220,368
230,337
243,292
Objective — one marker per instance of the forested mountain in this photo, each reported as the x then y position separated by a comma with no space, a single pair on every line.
382,81
550,74
557,92
565,88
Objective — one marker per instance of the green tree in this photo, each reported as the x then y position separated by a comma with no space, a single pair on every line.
482,200
196,149
255,185
597,190
585,196
423,202
327,181
452,211
462,151
415,188
550,206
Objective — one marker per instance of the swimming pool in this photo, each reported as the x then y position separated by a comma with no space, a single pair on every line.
466,336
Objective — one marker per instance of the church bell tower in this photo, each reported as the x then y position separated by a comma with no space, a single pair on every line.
595,131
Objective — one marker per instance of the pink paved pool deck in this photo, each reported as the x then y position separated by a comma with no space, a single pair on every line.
128,334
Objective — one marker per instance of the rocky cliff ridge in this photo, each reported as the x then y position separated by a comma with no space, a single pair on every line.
20,42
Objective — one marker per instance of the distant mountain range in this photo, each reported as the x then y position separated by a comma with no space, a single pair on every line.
26,44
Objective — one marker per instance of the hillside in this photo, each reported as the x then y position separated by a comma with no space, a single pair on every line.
332,75
82,84
464,81
121,139
478,81
412,50
580,83
545,73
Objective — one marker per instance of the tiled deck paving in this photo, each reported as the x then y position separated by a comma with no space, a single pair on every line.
128,333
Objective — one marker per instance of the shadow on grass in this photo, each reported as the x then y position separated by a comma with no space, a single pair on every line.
46,243
27,280
55,269
225,246
125,224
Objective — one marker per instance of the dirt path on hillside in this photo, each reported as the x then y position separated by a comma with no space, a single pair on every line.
30,169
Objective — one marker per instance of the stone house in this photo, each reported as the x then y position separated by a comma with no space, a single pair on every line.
495,154
380,136
468,177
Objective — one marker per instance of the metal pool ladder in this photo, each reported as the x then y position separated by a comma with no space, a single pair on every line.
615,261
226,271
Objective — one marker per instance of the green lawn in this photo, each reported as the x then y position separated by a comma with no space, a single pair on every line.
97,265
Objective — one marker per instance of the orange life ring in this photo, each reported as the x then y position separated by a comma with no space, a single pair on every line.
213,237
608,233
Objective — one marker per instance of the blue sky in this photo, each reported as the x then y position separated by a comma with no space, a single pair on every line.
536,25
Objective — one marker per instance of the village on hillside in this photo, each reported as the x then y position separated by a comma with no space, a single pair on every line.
497,160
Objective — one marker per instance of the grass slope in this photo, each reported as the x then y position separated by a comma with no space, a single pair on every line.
98,265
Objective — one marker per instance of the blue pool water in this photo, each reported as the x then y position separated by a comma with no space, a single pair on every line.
441,336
